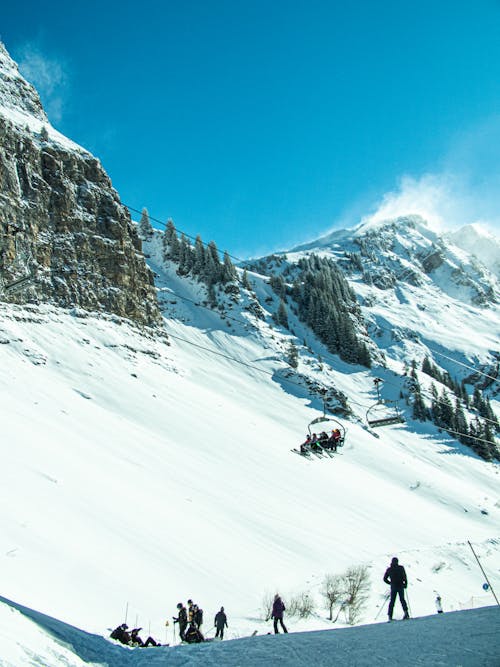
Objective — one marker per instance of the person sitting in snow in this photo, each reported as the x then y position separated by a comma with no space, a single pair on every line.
193,634
137,641
120,634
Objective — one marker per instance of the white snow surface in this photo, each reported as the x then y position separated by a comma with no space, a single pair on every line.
138,472
465,638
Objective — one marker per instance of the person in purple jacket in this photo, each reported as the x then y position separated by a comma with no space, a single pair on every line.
277,614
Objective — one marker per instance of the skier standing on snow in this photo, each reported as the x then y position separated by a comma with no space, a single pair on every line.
439,606
277,613
219,622
181,620
395,575
197,615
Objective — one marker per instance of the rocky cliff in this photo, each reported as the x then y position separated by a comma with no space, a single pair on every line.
60,218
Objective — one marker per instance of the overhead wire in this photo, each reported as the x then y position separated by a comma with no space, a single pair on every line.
239,259
455,361
494,379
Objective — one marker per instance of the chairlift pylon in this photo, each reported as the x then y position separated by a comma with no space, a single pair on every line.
383,412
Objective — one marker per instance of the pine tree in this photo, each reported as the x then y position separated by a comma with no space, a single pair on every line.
281,315
446,411
228,271
171,244
293,355
420,411
145,228
199,257
244,280
460,424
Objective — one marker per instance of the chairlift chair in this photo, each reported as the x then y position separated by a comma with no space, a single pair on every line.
324,418
383,412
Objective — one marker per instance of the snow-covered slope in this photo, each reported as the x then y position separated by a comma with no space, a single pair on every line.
466,638
141,473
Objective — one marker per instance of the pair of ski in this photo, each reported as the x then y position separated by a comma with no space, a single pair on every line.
320,452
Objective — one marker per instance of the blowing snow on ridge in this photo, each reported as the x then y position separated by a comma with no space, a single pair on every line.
152,393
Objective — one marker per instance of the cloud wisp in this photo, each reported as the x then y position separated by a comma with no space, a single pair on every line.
48,75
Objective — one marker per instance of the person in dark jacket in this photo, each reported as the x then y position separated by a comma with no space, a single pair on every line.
120,633
137,641
197,616
277,613
181,619
193,634
219,622
395,576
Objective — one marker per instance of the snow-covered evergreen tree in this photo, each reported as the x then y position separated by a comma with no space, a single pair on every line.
145,227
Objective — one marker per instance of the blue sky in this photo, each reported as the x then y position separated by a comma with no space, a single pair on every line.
265,124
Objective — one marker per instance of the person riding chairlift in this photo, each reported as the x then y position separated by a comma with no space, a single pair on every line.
306,445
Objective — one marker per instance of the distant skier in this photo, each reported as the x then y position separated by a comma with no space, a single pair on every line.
220,622
439,606
137,641
120,634
395,575
197,616
193,634
277,613
181,619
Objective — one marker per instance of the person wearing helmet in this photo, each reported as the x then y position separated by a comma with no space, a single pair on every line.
181,619
120,633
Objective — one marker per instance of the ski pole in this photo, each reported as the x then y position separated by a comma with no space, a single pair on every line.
382,605
126,612
408,602
487,580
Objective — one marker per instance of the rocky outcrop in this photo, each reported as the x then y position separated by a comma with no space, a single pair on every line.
60,217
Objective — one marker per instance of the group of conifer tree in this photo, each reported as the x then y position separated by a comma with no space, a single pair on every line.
478,434
200,260
320,295
322,298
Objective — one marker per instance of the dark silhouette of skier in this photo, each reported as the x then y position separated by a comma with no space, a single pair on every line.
395,575
277,613
197,616
219,622
193,634
137,641
181,620
120,633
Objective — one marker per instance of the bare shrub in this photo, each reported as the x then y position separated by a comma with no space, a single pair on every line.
332,589
300,605
266,605
356,586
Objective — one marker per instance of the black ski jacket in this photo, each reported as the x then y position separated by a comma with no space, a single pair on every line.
395,575
220,619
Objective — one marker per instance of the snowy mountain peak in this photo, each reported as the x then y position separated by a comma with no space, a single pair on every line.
16,94
478,241
373,224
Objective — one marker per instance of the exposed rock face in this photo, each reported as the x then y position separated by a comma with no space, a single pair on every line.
60,216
